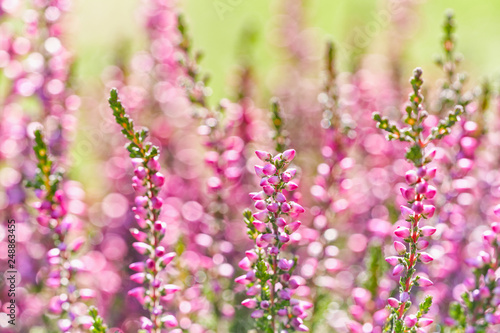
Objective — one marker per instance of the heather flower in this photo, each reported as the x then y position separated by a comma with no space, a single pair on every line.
63,266
416,210
269,279
145,158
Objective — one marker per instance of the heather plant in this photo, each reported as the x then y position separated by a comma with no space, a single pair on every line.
417,209
269,278
52,208
478,307
147,182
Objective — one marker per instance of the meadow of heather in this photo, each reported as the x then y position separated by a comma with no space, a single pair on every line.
249,166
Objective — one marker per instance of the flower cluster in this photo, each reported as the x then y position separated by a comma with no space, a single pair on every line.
52,214
417,210
269,276
147,182
479,305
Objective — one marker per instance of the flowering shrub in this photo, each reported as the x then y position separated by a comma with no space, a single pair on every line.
400,227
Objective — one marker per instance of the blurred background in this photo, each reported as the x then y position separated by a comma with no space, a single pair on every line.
99,27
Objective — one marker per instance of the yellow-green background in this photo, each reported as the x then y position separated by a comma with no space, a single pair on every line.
98,26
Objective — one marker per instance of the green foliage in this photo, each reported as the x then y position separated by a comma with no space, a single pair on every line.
46,178
98,325
279,137
137,146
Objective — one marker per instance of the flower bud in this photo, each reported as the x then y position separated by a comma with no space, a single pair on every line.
424,282
418,207
263,155
269,169
429,210
423,322
289,155
402,232
397,270
393,302
411,177
400,247
249,303
431,192
158,179
410,320
393,260
428,231
425,257
292,227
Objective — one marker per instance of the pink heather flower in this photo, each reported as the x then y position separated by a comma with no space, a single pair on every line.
285,264
136,292
141,172
422,244
424,282
393,302
406,212
137,266
402,232
141,201
408,194
429,210
292,227
425,257
274,180
285,207
138,235
280,197
283,238
269,169
171,288
289,155
422,187
294,283
429,157
263,155
428,231
142,248
418,207
431,192
489,236
281,222
167,258
497,210
431,173
242,279
393,261
138,277
411,177
291,186
257,314
158,179
259,170
249,303
397,269
296,208
399,247
153,164
410,320
260,226
261,216
260,205
273,207
169,320
261,242
423,322
86,294
245,264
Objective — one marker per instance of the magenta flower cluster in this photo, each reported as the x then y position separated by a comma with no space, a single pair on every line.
269,278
